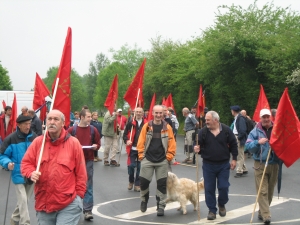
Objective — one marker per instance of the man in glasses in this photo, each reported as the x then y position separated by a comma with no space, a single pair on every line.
258,144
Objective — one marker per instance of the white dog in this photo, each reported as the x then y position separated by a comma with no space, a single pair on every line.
182,190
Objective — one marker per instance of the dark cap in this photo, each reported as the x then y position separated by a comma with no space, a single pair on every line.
235,108
22,118
205,109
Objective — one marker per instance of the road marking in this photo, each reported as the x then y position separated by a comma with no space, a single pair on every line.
246,210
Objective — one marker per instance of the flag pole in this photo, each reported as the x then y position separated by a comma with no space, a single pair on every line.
44,138
260,185
138,95
197,179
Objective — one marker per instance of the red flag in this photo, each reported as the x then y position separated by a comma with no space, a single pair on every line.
163,101
112,95
169,102
62,100
14,114
285,138
262,103
3,104
201,103
136,88
150,116
40,92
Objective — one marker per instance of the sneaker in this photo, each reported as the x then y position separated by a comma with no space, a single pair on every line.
88,215
106,163
267,220
186,160
137,188
211,216
113,163
130,186
189,162
176,163
222,210
245,172
143,206
160,212
237,175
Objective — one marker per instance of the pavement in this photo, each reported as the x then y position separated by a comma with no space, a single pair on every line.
114,204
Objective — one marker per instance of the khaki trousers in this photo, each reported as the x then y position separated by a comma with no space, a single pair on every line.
240,164
111,146
21,213
267,188
188,143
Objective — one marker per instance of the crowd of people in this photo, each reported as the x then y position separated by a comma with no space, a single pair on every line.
65,191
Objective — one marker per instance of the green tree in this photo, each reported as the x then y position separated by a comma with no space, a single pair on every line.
78,95
5,83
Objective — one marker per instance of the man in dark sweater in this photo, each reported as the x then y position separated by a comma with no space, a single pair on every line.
91,141
217,141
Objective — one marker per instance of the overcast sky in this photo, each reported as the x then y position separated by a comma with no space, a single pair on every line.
32,33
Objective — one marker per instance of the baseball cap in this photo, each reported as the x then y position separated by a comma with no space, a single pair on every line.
264,112
119,110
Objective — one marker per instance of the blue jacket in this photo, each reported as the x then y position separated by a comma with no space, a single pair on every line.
98,126
260,152
13,150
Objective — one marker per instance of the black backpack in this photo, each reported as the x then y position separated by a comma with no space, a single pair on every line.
250,125
73,133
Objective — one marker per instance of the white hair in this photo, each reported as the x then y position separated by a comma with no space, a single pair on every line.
214,115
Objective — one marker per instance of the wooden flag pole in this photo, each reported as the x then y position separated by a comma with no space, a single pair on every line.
262,178
138,95
44,138
197,179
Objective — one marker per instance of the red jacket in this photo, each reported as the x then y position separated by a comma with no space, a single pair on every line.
4,133
63,171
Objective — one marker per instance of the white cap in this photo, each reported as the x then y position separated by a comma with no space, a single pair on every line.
119,110
264,112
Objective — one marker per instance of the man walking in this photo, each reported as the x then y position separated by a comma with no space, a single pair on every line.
258,144
190,124
11,153
36,123
121,121
88,136
156,148
216,142
130,137
60,183
240,132
6,124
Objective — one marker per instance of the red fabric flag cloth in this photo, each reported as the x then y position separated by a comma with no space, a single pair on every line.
285,137
262,103
136,88
40,92
62,99
3,104
150,116
169,102
14,114
112,95
201,103
163,101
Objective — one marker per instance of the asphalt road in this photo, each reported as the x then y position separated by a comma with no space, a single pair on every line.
114,204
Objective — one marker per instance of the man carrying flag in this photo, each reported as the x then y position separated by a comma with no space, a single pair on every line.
258,144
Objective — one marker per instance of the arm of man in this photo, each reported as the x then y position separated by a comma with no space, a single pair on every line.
80,170
233,148
110,118
171,151
141,142
252,143
125,134
242,129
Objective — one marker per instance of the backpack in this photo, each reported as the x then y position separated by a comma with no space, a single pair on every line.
204,133
250,125
73,133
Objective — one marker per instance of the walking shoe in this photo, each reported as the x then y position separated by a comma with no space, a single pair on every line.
245,172
186,160
211,216
137,188
160,212
12,222
189,162
98,159
237,175
267,220
143,206
222,210
113,163
130,186
88,215
106,163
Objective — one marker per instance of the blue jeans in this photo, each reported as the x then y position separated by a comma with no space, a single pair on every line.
216,175
134,162
69,215
88,200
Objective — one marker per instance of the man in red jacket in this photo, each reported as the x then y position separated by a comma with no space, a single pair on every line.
61,179
6,127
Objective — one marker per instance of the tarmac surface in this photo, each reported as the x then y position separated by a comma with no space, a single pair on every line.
114,204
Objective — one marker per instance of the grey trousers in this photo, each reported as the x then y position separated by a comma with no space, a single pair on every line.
21,213
111,146
161,173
